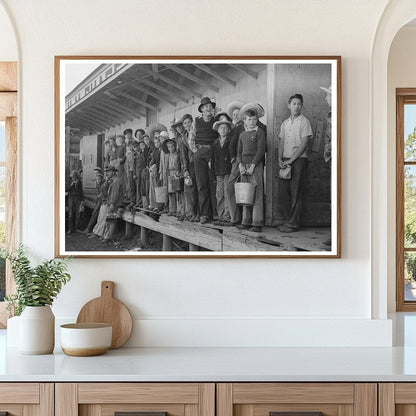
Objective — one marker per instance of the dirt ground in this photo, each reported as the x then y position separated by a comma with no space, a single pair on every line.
78,241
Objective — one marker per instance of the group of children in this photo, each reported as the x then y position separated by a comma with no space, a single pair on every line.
146,162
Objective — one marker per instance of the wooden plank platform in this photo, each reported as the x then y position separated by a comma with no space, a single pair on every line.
226,239
193,233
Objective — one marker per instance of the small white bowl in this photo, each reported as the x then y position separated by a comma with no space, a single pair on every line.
83,340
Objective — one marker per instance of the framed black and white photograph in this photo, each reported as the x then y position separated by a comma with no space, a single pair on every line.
198,156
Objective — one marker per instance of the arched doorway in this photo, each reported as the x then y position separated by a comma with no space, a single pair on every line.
8,150
395,16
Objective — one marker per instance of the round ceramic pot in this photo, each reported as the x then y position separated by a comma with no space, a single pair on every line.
37,330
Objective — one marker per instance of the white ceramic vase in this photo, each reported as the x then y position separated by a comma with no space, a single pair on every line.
37,330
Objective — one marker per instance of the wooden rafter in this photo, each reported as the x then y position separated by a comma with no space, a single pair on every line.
152,94
164,90
83,118
82,124
98,117
115,98
192,77
155,72
100,106
88,119
245,70
176,84
215,74
136,100
120,107
109,116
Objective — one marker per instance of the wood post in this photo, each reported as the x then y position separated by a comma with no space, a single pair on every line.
167,243
193,247
144,236
129,229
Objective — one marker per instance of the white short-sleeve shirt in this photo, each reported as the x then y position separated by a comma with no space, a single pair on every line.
292,132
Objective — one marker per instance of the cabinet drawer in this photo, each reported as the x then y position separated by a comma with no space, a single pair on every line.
21,399
146,399
309,399
397,399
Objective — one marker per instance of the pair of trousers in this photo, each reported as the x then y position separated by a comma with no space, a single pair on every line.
203,183
131,188
223,211
235,210
290,194
191,194
254,215
74,214
94,217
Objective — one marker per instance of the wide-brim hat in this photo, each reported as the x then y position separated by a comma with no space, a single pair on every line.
219,122
221,115
165,144
205,101
327,90
251,106
176,122
187,116
150,130
233,105
110,168
164,135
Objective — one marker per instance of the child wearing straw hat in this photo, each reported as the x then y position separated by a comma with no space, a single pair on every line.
250,154
235,210
221,165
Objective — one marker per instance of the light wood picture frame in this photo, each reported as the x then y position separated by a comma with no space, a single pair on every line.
111,178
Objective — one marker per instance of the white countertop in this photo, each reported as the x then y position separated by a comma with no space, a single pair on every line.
215,364
222,364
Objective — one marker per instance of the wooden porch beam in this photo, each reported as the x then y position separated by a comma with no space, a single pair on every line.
97,117
124,107
100,106
136,100
153,94
192,78
165,90
83,117
176,84
116,104
244,70
215,74
87,119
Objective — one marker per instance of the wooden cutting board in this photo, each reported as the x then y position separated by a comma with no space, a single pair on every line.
107,309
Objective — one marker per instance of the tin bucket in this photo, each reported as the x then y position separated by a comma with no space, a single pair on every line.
244,193
175,184
161,194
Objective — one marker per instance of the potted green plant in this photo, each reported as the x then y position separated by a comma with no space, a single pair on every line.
36,289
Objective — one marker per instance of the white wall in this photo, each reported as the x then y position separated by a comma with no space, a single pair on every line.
401,74
212,302
8,45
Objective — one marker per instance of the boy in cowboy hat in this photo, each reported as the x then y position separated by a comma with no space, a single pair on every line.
294,136
233,110
221,165
235,210
250,154
201,137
